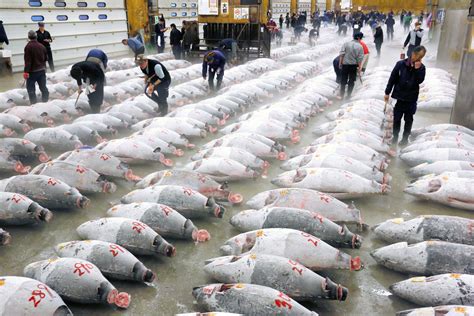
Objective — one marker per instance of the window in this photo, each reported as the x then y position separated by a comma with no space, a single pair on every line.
183,5
173,5
60,4
101,4
173,14
83,17
184,13
61,17
82,4
37,18
102,16
193,5
193,13
35,3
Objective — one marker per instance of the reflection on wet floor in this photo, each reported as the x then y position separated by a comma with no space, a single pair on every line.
171,291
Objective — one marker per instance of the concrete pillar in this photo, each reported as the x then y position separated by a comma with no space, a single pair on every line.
463,111
452,38
294,6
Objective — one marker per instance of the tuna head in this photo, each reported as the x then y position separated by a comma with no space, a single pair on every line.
248,220
239,244
288,178
396,230
424,186
402,257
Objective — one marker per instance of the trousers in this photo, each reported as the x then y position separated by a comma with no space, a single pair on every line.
406,110
50,58
96,98
348,77
160,96
40,78
212,74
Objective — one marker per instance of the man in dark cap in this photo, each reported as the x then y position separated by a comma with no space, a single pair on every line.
45,38
157,80
35,56
98,56
213,63
350,61
91,74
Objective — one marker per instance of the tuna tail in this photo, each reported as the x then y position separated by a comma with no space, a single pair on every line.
5,237
335,291
163,247
214,208
142,274
41,214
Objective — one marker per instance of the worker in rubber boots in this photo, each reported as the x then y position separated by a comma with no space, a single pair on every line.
213,63
91,75
157,80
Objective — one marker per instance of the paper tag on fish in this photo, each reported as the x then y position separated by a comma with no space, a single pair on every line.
397,220
418,279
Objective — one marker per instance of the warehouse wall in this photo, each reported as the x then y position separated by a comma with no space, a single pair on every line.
453,34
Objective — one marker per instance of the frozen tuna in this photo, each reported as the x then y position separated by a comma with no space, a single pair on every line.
299,219
247,299
162,219
188,202
222,169
17,209
296,245
426,258
451,310
25,296
49,192
112,260
53,139
427,227
131,234
280,273
77,281
4,237
441,289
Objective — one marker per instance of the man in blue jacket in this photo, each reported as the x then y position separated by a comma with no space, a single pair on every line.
99,57
405,80
135,44
213,63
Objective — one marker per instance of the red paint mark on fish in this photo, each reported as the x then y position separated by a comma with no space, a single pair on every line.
284,302
52,182
138,227
38,295
115,250
104,157
188,191
80,169
167,210
295,268
82,268
17,198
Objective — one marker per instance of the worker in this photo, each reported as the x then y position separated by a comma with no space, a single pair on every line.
287,20
378,39
365,61
405,80
299,29
313,36
407,21
3,36
99,57
44,38
135,44
160,29
281,20
175,41
229,47
350,62
157,80
414,38
337,70
35,56
90,79
390,22
213,63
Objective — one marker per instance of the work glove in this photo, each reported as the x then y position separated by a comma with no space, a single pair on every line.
26,75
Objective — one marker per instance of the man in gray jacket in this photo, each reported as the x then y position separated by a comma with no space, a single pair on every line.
350,60
414,38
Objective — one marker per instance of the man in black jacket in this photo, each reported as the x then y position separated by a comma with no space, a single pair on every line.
378,38
92,75
405,80
390,22
157,80
45,38
175,41
3,35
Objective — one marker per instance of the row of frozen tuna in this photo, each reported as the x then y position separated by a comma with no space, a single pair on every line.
61,86
437,92
442,156
348,159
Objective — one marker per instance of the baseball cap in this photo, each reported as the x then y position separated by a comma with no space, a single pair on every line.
40,23
140,58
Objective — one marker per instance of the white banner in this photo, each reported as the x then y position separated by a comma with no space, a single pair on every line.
208,7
